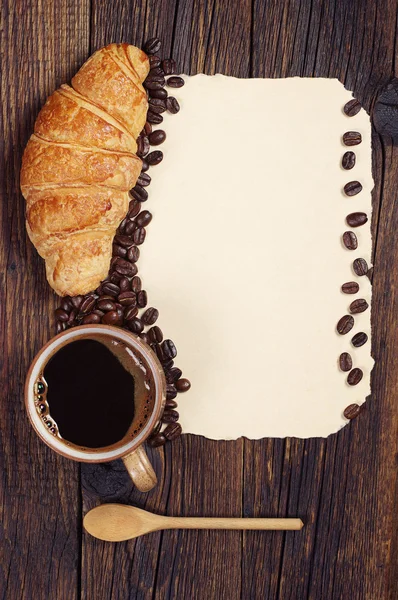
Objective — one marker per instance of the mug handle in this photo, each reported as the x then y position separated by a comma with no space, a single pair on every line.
140,469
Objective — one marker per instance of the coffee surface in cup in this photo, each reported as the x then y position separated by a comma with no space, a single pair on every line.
92,389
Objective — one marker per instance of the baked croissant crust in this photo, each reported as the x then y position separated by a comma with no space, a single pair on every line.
80,163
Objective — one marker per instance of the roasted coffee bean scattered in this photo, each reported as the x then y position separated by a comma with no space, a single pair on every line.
175,82
352,138
345,361
354,376
359,339
358,306
155,157
345,324
157,137
119,299
172,105
169,66
360,266
357,219
352,107
351,287
152,46
350,240
352,188
352,411
348,161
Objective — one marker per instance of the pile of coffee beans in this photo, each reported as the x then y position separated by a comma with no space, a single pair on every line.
120,299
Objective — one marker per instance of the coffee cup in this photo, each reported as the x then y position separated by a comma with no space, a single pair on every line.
148,403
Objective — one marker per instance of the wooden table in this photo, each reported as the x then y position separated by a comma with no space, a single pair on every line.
344,487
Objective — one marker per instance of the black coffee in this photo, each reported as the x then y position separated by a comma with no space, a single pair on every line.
90,394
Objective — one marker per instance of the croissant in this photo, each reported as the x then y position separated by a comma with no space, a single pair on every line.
80,164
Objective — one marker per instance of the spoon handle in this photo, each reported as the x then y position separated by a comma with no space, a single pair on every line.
231,523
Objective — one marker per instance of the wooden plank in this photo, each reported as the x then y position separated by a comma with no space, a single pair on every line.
41,45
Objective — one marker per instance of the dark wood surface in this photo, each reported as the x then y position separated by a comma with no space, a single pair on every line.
344,487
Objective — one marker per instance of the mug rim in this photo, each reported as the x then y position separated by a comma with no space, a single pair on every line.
94,455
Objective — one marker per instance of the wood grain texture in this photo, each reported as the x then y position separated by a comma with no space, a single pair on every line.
345,487
42,43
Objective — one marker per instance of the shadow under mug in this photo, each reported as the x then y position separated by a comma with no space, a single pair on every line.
131,450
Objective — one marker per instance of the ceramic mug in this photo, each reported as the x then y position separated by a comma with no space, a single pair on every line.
131,450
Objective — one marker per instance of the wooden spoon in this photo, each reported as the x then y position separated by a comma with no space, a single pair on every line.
118,522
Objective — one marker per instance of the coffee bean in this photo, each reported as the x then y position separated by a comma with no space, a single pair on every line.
61,315
157,105
136,325
170,416
174,374
154,61
134,207
72,317
106,305
354,376
127,299
359,339
91,319
155,334
171,391
98,312
350,240
111,318
124,284
140,193
169,66
348,161
105,297
152,46
122,225
155,71
59,327
142,299
155,157
116,277
67,304
130,228
154,77
144,166
345,324
168,364
172,105
153,84
352,138
169,349
133,254
183,385
124,240
144,179
351,287
358,306
154,118
158,351
144,337
139,236
360,266
162,94
175,82
144,218
143,146
369,274
124,267
352,107
147,128
113,262
171,404
172,431
136,284
118,250
111,288
157,440
352,188
357,219
87,305
130,313
150,316
352,411
76,301
345,361
157,137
